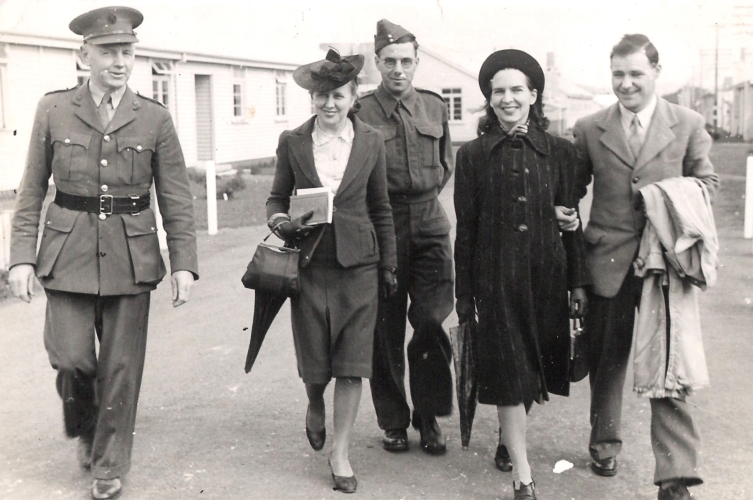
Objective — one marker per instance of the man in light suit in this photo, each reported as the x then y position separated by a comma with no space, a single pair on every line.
99,256
638,141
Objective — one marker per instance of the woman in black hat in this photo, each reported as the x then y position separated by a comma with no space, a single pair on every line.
342,263
513,266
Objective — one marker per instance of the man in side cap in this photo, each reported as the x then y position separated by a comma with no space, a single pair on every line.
414,125
99,257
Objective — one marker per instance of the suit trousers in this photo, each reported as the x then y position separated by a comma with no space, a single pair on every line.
425,275
100,394
674,437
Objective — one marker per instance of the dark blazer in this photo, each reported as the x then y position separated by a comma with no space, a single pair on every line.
79,252
676,145
362,218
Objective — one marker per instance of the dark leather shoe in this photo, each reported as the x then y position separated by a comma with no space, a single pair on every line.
316,438
346,484
502,459
105,489
432,440
606,467
84,452
395,440
525,492
675,491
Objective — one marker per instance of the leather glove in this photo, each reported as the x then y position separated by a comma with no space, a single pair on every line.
578,303
466,308
387,283
296,228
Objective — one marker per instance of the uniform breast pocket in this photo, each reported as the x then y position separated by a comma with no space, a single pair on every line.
70,155
135,159
428,138
388,134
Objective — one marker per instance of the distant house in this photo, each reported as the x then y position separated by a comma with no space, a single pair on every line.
457,85
228,109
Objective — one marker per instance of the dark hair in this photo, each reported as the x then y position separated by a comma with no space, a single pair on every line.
404,39
632,44
535,114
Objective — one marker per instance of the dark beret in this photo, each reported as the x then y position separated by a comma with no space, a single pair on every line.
330,73
389,33
108,25
511,59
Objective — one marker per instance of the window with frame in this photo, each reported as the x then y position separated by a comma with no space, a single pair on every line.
454,100
239,90
280,91
161,74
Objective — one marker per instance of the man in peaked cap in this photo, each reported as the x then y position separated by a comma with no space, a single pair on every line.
414,126
99,257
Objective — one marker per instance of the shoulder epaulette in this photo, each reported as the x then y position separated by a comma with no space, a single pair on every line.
62,90
366,94
150,99
431,92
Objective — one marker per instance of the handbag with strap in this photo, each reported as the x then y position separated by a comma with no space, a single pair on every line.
273,269
577,367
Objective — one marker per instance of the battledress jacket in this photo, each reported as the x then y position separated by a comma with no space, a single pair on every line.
120,254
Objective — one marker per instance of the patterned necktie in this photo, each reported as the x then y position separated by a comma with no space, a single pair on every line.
634,141
102,110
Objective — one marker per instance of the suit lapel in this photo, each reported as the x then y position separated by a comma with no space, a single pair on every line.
358,155
659,134
614,136
302,148
125,113
85,108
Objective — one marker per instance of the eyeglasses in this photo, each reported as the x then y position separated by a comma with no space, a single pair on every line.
406,63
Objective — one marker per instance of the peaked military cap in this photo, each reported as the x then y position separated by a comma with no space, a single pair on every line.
511,59
330,73
108,25
389,33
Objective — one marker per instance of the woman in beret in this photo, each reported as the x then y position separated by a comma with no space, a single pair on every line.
344,263
514,268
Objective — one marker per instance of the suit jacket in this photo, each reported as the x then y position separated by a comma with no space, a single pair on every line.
676,144
362,215
119,255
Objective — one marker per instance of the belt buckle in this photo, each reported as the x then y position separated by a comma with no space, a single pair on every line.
105,204
135,208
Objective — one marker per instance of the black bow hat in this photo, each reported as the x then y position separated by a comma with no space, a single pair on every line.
108,25
330,73
511,59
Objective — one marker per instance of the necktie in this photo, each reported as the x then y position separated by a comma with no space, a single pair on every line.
102,110
634,141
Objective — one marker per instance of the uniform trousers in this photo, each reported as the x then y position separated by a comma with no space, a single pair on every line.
100,394
425,275
674,438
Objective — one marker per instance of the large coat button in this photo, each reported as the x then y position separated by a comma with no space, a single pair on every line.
106,138
104,188
522,228
102,216
103,163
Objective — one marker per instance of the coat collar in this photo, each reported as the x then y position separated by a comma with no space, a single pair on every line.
389,103
658,136
87,111
536,137
302,147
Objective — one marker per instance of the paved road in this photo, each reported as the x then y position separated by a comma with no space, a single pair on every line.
206,430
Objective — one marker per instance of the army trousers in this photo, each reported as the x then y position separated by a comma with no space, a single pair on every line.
425,276
99,393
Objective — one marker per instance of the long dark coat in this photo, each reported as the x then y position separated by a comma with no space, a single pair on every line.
511,257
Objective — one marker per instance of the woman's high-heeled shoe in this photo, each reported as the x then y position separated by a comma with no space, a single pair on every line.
525,492
316,439
343,483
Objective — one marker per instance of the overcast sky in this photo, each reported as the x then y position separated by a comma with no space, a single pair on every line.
579,32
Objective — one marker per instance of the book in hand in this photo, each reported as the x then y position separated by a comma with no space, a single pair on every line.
319,200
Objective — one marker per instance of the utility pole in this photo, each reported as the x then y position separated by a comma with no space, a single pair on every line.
716,82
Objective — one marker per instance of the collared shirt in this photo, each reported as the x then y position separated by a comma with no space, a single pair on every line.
417,139
331,153
99,94
644,118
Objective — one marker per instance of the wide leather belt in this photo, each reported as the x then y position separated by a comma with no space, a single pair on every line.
105,204
410,199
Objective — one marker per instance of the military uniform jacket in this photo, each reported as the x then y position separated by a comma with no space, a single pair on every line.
120,254
417,138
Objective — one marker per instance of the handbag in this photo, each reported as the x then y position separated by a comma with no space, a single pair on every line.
577,367
273,269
